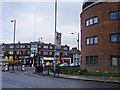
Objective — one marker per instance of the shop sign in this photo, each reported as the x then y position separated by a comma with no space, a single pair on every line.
48,58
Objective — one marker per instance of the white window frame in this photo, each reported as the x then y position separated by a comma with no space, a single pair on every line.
51,47
45,53
45,46
11,46
17,46
50,53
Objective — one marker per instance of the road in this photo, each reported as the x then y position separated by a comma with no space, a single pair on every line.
25,79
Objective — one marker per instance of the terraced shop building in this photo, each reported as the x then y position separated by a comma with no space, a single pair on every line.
26,52
100,23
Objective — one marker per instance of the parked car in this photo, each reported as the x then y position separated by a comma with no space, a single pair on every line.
64,64
47,64
73,64
2,64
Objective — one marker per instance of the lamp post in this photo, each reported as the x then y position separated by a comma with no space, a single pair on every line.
78,39
55,36
14,21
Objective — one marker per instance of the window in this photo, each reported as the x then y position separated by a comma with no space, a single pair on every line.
92,40
22,52
45,53
11,46
88,41
92,21
95,20
115,15
51,47
50,53
3,46
28,52
87,23
28,46
11,52
22,46
39,52
91,60
115,60
33,46
39,46
115,37
95,40
17,46
45,46
64,53
57,53
17,52
65,48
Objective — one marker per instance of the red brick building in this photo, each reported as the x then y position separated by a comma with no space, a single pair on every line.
26,51
100,38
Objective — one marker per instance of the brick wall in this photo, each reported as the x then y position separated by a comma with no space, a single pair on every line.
103,29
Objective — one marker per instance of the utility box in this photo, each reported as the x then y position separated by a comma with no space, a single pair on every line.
38,69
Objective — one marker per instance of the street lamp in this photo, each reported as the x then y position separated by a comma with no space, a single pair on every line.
14,21
78,39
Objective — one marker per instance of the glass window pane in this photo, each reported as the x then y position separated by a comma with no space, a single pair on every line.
88,41
118,36
91,40
114,61
95,20
90,60
96,60
87,23
95,39
119,60
113,38
119,15
91,21
113,16
87,60
50,53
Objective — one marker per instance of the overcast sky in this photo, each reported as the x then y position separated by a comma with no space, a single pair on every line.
68,21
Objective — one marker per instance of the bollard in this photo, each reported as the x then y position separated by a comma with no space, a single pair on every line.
32,65
48,70
58,70
23,67
6,68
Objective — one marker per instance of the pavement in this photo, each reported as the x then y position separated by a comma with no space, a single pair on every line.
108,79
